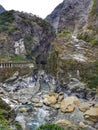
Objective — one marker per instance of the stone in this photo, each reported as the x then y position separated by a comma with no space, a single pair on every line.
56,106
51,93
60,98
69,104
91,114
64,122
56,95
13,78
35,100
66,125
84,107
23,109
96,105
61,93
38,105
45,96
82,125
49,100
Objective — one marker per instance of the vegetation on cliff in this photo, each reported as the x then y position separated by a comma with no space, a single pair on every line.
6,18
50,127
94,10
62,63
5,114
23,36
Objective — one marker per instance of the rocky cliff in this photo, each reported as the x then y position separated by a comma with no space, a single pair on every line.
24,36
70,14
75,48
2,9
68,94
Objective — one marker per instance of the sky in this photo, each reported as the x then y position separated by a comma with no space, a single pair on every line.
40,8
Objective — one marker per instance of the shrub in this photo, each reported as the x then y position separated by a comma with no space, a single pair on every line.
94,10
3,127
4,105
6,19
84,36
53,60
93,81
94,42
18,126
64,33
17,58
50,127
8,72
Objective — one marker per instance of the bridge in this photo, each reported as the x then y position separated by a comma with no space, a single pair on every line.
16,64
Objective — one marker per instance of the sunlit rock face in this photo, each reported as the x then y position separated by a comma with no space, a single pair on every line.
20,47
70,14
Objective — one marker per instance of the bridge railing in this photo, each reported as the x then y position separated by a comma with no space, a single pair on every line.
16,64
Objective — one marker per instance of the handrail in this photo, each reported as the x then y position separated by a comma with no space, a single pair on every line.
15,64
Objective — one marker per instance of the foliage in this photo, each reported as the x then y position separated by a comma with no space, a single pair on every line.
92,79
84,36
9,28
3,58
17,58
28,41
53,61
94,41
94,10
6,19
25,19
4,115
64,32
50,127
87,71
4,105
18,126
2,127
45,25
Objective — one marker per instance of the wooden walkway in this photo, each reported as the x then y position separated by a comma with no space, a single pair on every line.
16,64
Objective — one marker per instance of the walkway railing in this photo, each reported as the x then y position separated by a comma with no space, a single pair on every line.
15,64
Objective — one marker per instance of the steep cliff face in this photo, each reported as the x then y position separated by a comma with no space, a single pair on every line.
24,36
70,14
2,9
75,48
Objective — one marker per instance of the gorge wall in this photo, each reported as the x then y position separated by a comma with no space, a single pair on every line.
74,51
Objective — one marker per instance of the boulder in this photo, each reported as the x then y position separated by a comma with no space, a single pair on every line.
23,109
60,98
38,105
82,125
13,78
91,114
49,100
56,106
84,107
66,125
35,100
51,93
68,104
96,105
